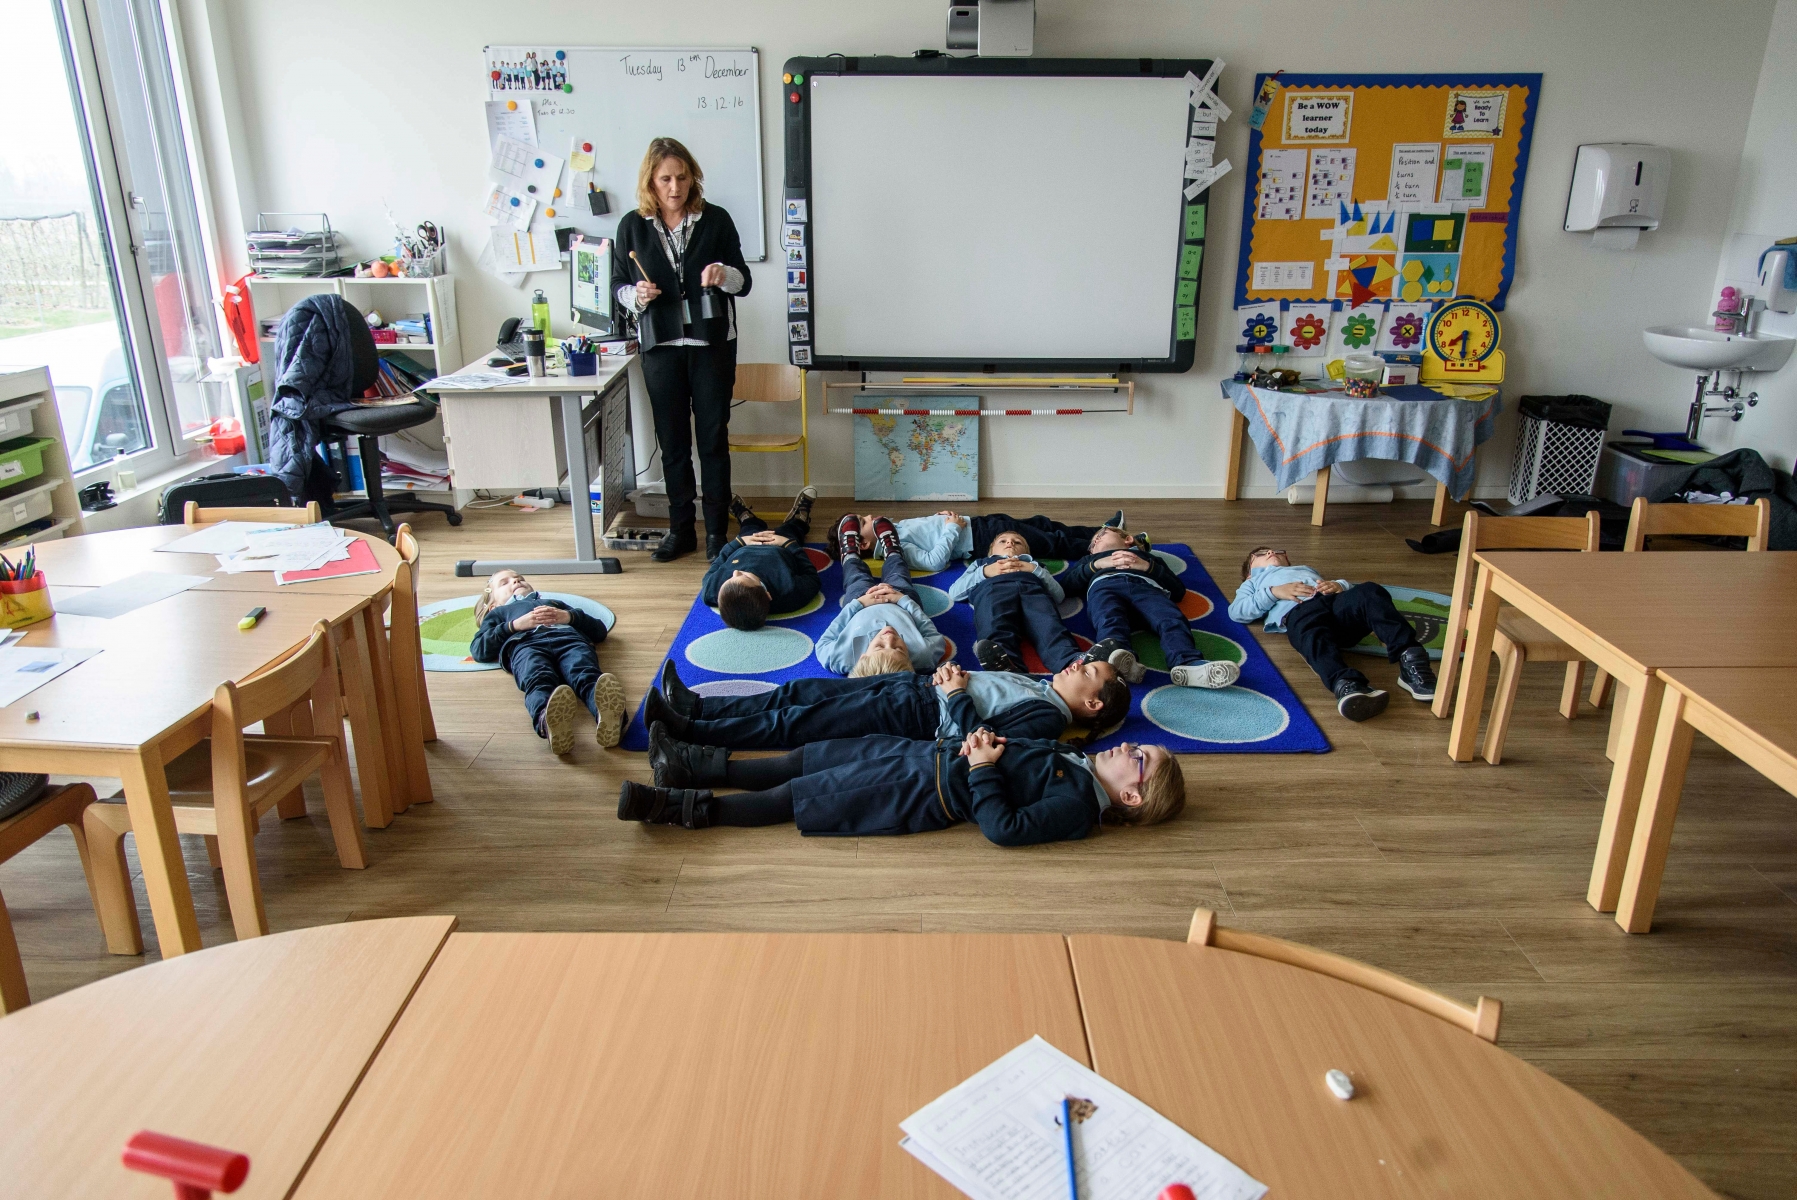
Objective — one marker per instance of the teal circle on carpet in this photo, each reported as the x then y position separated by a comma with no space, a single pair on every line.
734,652
1427,613
732,687
934,600
1229,716
445,628
1175,564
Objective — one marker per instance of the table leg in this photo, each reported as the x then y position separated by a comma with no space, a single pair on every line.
1620,698
1322,497
365,725
159,853
1659,808
1441,504
1633,745
1232,478
380,665
1470,703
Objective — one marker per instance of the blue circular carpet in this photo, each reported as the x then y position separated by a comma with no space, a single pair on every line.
1230,715
733,652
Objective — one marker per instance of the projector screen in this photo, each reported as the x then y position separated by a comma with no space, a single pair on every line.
1016,220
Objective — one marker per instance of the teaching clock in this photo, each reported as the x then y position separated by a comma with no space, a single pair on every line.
1462,344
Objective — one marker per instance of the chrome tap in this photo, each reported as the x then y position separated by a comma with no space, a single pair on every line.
1742,319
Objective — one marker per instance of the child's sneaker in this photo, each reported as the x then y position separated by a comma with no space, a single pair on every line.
1121,658
887,533
1214,673
1144,543
1415,675
848,536
801,505
1116,521
558,718
994,657
1358,701
739,508
608,700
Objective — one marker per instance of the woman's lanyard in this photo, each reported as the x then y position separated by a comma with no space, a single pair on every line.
676,252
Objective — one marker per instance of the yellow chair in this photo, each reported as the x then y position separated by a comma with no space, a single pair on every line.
107,883
1519,638
774,383
222,786
193,514
1481,1019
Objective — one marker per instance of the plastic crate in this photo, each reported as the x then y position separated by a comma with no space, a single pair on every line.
22,509
22,459
1551,457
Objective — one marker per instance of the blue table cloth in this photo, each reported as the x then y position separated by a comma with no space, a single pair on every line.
1297,434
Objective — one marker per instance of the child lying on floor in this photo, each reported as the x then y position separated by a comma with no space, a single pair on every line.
762,570
1323,618
950,704
1022,792
1124,585
548,648
1015,599
881,628
935,542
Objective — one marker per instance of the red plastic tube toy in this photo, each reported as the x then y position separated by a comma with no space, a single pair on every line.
196,1169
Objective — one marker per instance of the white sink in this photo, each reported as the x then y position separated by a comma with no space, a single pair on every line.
1698,349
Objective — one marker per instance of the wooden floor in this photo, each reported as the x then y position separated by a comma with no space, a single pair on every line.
1469,878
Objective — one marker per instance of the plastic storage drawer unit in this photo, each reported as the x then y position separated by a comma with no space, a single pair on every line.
22,459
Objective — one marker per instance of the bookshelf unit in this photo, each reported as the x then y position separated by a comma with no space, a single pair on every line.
28,410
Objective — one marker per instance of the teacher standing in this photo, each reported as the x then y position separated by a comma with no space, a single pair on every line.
671,248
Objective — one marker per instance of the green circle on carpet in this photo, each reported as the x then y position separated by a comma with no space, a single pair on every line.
1214,646
1427,613
734,652
446,627
1231,715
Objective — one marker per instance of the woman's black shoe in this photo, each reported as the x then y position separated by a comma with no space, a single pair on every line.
674,545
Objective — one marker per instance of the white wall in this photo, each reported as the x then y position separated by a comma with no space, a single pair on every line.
354,107
1765,209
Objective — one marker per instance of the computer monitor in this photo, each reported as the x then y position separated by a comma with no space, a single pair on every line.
589,282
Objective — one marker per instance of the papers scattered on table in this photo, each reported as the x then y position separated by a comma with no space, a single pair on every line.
468,381
997,1137
127,595
24,669
288,548
357,559
226,537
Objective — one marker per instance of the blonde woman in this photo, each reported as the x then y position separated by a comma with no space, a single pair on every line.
670,250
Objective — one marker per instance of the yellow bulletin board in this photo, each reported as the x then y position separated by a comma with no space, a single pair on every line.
1374,188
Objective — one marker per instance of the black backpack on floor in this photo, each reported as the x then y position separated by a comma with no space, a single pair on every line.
223,491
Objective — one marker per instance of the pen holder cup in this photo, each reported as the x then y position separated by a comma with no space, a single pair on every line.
582,364
25,601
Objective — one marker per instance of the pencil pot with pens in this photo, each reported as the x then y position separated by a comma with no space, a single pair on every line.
25,600
582,355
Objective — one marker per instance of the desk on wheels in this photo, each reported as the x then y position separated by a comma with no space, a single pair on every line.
758,1065
1630,614
529,432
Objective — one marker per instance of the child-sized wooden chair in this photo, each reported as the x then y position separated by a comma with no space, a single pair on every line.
1519,639
193,514
107,883
406,651
222,786
774,383
1481,1019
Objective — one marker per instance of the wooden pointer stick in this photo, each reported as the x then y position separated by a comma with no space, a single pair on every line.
639,266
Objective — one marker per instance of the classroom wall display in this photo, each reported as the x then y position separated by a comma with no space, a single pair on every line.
966,213
909,457
1384,192
567,127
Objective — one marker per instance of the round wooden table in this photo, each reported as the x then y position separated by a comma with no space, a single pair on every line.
749,1065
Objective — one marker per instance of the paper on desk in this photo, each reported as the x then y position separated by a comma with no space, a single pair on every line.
293,538
24,669
127,595
997,1135
468,381
226,537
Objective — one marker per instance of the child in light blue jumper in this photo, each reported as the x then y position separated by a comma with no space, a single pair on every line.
935,542
882,628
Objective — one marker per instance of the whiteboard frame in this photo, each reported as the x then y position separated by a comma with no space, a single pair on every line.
767,243
796,123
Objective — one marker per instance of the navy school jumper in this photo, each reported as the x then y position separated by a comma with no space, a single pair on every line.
543,657
1119,599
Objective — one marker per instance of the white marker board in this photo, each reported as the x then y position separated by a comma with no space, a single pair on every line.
619,98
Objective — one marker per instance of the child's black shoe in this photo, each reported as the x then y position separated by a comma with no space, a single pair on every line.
1121,658
656,708
1415,675
1357,700
675,694
681,764
801,505
1116,521
739,508
664,806
848,536
994,657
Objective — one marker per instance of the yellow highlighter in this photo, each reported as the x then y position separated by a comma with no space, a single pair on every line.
249,619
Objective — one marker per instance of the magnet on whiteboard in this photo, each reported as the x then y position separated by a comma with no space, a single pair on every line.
587,147
549,212
568,87
538,163
531,188
511,106
1340,1084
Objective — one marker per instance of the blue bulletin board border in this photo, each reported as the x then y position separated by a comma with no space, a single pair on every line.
1513,218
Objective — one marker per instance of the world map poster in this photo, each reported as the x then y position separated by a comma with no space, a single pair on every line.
917,458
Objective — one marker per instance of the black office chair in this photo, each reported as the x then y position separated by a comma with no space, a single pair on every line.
368,426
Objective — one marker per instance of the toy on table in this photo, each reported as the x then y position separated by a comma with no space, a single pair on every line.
196,1169
1461,345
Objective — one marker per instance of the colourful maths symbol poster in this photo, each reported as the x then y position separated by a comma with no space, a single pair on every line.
1368,189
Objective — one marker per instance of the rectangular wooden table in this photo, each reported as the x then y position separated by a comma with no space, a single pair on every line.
145,698
1749,711
687,1064
1631,614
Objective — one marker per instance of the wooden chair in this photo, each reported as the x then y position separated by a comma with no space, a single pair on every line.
1751,521
406,650
774,383
108,884
222,786
193,514
1519,639
1481,1019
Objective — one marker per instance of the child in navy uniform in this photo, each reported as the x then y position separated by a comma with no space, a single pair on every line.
951,704
762,570
548,648
932,543
1015,599
1021,792
1123,585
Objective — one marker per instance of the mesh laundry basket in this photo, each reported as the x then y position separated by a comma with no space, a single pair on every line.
1559,441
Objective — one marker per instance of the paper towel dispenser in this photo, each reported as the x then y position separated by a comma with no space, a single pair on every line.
1618,189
